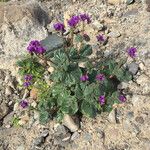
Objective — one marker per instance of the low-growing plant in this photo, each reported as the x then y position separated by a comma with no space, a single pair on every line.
76,84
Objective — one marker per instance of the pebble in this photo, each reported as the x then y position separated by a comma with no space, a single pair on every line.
114,34
74,136
3,110
38,141
139,120
45,133
133,68
97,25
8,91
112,116
66,137
60,129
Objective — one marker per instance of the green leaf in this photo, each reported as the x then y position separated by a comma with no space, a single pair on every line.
86,50
88,109
74,53
78,38
44,116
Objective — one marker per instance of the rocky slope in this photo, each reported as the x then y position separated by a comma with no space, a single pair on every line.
127,126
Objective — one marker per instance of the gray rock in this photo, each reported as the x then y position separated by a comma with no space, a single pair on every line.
60,129
52,42
87,137
128,2
131,13
3,110
66,137
74,136
100,133
114,34
45,133
130,115
38,141
97,25
133,68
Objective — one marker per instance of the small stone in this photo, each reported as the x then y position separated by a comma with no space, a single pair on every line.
142,66
130,115
45,133
74,136
66,137
34,104
139,120
114,1
16,106
100,133
38,141
114,34
133,68
8,91
3,110
87,137
50,69
112,116
34,93
97,25
60,129
128,2
8,118
36,115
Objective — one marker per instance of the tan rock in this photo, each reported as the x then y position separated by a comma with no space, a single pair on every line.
34,93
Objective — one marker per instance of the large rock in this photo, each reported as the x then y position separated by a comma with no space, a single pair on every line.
20,23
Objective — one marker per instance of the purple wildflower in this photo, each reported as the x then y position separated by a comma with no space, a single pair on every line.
24,104
28,77
100,77
131,52
27,84
100,38
74,20
122,98
36,47
85,17
59,27
102,99
84,77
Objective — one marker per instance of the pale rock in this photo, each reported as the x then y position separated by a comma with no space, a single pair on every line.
112,116
3,110
8,91
114,34
50,69
16,106
97,25
34,104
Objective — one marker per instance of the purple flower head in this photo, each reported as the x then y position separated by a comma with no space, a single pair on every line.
100,38
24,104
28,77
84,78
27,84
122,98
74,20
59,27
85,17
102,99
100,77
132,52
36,47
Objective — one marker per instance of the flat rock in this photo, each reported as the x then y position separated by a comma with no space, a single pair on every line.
52,42
133,68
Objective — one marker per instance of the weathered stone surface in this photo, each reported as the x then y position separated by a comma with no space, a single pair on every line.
21,23
3,110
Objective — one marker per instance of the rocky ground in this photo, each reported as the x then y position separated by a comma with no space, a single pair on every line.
124,25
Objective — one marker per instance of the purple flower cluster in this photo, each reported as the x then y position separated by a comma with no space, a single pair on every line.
132,52
36,47
122,98
102,99
100,77
84,77
85,17
24,103
59,27
100,38
28,79
74,20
